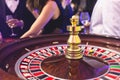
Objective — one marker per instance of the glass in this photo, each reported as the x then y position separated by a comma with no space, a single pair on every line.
85,19
8,17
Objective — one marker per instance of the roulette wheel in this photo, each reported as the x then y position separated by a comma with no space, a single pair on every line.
23,58
51,57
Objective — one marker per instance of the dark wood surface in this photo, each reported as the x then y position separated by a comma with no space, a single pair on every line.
84,68
6,76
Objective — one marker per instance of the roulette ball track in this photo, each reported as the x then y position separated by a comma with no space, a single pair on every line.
43,58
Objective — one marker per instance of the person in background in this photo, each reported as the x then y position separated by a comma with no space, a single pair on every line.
53,14
75,4
106,18
22,18
2,15
83,8
89,6
79,6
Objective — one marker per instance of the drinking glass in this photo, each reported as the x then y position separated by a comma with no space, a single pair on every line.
8,17
84,19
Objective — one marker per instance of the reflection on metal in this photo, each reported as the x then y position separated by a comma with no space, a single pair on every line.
73,50
28,50
7,66
55,42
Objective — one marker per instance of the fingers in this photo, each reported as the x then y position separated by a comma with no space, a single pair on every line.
14,23
11,25
87,24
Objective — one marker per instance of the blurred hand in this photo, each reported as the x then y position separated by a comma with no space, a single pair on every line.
86,27
15,23
87,24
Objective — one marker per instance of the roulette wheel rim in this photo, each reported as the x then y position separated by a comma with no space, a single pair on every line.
31,42
20,60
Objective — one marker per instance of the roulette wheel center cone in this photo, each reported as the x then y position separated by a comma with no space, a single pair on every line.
74,65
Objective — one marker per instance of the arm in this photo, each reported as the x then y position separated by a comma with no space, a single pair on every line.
96,19
106,18
46,14
111,18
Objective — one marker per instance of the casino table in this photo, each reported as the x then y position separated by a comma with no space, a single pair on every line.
43,58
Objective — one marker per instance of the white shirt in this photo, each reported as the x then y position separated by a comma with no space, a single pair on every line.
12,4
105,18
